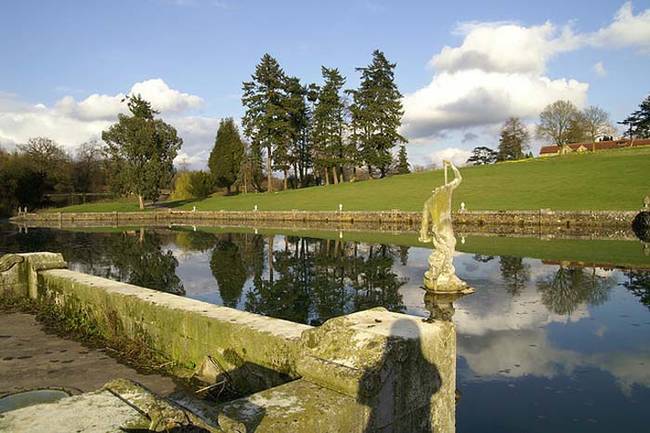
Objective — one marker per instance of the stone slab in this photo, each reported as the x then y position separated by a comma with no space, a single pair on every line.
297,407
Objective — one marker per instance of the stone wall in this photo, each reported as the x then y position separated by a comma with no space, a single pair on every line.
380,220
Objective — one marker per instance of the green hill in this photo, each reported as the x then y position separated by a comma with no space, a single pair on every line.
608,180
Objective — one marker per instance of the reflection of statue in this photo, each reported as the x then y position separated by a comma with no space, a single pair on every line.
441,305
437,228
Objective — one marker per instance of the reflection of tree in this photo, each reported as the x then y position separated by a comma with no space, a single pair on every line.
140,260
569,287
228,269
482,258
281,294
403,255
638,282
515,274
376,284
316,279
194,240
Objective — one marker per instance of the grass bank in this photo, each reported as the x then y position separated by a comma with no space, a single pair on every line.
608,180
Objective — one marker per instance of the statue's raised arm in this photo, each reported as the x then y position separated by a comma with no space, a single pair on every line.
457,177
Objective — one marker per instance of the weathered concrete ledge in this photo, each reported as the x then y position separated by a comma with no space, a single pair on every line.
255,351
364,372
407,220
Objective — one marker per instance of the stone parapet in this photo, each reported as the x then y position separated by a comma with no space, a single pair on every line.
396,219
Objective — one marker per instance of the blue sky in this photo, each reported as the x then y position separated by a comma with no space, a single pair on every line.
55,54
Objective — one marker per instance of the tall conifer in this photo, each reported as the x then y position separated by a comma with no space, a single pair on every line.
377,113
226,155
266,121
329,125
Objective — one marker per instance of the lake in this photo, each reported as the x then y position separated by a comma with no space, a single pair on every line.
556,337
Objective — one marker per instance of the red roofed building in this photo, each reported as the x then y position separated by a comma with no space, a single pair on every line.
589,147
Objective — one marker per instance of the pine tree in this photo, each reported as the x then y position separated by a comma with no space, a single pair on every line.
377,113
639,121
403,166
298,114
329,125
513,141
142,150
226,155
266,121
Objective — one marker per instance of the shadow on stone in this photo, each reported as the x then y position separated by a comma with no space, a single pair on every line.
398,393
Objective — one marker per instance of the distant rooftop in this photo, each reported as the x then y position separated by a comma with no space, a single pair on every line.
599,145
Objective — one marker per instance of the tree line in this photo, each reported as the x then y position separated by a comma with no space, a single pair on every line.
313,134
41,167
562,124
317,133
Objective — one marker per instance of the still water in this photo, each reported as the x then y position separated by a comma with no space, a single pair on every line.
556,337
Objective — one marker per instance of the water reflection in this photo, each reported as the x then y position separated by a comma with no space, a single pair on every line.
638,283
570,286
311,280
140,260
562,343
515,274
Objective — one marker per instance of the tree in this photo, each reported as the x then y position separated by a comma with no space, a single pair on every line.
482,155
376,113
559,122
48,159
403,166
182,187
89,169
596,124
639,121
226,155
329,124
20,184
250,169
142,150
266,121
513,141
297,149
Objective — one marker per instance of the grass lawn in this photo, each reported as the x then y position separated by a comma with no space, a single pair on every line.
608,180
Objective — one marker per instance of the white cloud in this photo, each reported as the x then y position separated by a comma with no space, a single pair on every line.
505,47
499,70
106,107
453,154
198,137
626,29
475,97
600,70
70,122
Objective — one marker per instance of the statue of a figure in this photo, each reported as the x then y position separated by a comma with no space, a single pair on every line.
436,228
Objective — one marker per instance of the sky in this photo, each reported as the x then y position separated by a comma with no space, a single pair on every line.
463,66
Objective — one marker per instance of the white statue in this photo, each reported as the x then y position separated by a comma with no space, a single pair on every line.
437,228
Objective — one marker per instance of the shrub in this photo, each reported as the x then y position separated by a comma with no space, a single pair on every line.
201,184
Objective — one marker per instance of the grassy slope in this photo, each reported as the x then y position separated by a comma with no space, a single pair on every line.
610,180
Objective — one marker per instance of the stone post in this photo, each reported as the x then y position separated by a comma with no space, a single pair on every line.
19,272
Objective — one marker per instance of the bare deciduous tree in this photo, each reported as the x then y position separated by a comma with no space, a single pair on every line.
558,123
596,124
